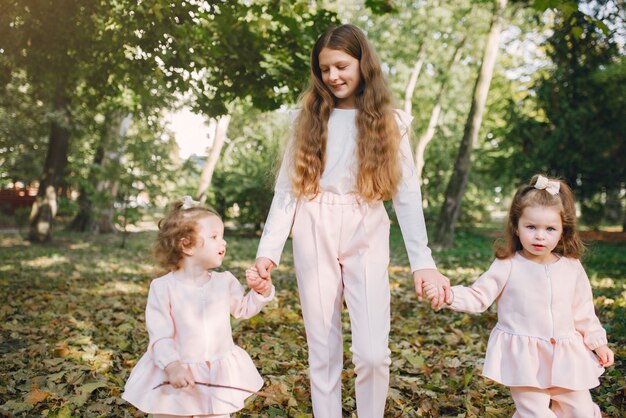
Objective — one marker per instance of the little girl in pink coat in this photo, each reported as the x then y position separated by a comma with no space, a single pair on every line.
188,320
547,332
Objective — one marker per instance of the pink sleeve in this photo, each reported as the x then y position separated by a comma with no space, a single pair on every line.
585,320
478,297
245,306
160,325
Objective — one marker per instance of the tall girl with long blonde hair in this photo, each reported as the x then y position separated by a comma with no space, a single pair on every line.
349,150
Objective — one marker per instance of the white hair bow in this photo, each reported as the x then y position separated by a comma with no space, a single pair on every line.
189,203
549,186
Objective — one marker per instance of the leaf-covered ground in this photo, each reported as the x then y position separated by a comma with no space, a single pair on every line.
73,327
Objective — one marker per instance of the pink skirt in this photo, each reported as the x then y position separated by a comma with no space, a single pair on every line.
519,360
234,369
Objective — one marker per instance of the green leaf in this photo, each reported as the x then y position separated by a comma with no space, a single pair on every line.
577,31
85,391
605,29
275,412
64,412
14,406
416,360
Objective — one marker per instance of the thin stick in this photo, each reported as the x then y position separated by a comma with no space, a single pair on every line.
259,393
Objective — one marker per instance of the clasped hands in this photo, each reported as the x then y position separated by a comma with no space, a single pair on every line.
434,285
258,276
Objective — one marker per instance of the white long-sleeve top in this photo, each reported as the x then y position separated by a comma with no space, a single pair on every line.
339,177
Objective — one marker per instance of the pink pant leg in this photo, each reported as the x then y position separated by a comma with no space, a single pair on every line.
315,243
574,404
531,402
364,255
342,246
566,403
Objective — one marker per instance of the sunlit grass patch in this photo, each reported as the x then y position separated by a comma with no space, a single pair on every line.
114,287
45,261
12,240
80,245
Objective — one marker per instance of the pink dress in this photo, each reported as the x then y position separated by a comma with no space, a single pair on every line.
192,325
547,326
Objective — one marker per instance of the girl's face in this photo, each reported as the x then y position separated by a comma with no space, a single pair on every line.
539,230
341,73
210,248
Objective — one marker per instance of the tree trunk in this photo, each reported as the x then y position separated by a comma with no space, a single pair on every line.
613,207
428,135
624,215
219,128
84,219
98,216
458,181
44,208
111,163
410,86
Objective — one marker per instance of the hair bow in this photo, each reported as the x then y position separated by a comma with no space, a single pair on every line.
549,186
189,203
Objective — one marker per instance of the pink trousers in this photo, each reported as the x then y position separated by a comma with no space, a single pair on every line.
341,251
535,403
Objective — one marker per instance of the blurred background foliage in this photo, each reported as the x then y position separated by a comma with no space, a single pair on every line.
86,87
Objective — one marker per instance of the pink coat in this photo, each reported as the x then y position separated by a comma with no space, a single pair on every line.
547,326
191,324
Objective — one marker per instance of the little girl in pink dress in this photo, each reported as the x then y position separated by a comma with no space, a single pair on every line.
188,320
547,332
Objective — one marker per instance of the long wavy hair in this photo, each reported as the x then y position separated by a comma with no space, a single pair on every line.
570,244
378,136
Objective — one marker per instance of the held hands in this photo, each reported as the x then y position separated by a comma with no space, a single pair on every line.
257,283
431,292
605,355
435,285
264,266
179,375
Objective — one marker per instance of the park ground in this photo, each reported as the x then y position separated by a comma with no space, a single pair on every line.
73,327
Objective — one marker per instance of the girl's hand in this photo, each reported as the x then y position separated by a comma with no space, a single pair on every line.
605,355
430,291
257,283
441,282
179,375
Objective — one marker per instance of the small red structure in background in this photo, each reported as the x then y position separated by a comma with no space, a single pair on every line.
17,197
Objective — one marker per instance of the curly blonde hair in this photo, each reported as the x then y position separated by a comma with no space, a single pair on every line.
378,137
570,244
178,231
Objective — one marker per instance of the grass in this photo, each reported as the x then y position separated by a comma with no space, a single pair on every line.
73,328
